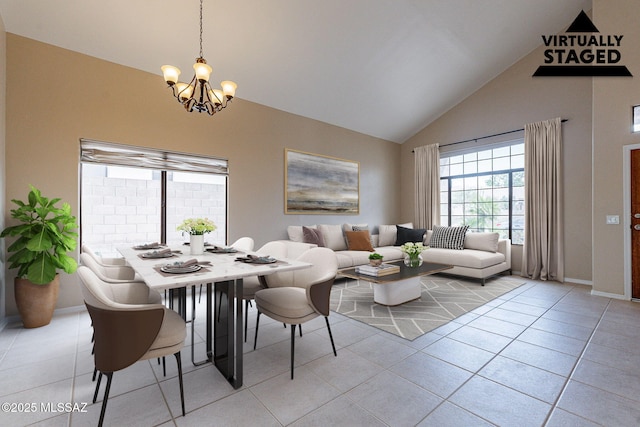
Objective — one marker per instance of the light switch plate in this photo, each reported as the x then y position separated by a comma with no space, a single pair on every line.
613,219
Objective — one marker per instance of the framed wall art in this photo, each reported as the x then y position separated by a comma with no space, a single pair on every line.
635,117
316,184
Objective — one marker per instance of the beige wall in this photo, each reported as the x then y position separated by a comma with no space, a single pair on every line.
613,99
86,97
3,74
508,102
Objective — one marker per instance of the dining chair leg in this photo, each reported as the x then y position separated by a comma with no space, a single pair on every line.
164,367
293,346
246,318
255,339
331,336
106,397
179,362
95,372
95,393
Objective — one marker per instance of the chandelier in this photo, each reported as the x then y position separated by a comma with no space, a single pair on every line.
198,94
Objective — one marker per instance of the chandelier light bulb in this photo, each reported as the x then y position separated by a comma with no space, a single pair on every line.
229,88
170,74
203,71
184,91
216,96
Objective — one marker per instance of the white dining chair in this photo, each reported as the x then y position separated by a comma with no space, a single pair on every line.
300,295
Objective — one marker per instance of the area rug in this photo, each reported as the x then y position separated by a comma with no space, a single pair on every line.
443,299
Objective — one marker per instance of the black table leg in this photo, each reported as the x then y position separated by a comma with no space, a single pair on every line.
208,326
228,331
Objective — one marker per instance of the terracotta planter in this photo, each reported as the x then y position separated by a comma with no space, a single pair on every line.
36,302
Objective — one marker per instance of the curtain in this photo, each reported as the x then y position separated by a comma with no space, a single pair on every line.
427,186
543,251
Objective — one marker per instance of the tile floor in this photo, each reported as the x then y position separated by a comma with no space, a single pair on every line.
545,354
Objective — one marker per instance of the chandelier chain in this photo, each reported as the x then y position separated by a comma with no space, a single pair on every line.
201,56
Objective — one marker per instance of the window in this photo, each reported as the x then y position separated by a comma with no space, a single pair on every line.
485,190
138,195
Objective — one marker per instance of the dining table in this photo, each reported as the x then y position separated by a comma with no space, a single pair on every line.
221,269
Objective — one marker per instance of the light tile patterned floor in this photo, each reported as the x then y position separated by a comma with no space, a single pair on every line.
545,354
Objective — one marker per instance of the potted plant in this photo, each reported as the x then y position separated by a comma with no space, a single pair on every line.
196,228
375,259
46,234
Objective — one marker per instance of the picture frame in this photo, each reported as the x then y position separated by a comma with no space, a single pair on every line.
318,184
635,118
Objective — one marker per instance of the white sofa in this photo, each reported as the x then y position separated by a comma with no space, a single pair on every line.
483,255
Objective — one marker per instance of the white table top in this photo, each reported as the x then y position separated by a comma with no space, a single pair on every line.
223,267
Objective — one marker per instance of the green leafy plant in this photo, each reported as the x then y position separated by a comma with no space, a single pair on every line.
375,255
46,234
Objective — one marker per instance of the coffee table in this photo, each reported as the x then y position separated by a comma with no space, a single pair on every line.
397,288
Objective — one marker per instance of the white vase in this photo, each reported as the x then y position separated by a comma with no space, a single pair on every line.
196,244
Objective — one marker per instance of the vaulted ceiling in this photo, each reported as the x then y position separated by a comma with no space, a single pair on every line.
385,68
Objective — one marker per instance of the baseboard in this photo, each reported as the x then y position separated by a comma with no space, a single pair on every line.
578,281
66,310
609,295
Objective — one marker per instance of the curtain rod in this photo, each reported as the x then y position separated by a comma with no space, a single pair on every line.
487,136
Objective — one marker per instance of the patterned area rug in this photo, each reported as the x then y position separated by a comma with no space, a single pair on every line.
443,299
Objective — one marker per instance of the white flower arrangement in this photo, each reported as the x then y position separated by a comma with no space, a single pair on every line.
197,226
413,249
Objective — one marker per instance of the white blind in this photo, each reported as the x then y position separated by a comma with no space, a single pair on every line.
149,158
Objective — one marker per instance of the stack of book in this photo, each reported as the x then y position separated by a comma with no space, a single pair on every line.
381,270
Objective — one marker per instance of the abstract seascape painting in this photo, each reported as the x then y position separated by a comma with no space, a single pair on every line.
316,184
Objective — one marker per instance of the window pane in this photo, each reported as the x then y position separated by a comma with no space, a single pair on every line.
485,166
518,179
119,206
457,208
471,167
456,169
196,195
457,184
501,163
471,183
517,162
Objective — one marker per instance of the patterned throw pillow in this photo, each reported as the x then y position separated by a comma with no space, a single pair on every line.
448,237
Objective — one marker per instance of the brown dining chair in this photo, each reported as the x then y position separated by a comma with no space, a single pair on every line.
298,296
128,333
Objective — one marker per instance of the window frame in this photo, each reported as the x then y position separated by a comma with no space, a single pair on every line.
448,179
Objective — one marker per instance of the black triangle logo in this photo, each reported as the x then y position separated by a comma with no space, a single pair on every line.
582,24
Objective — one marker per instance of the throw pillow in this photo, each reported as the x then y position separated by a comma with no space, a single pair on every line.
333,237
312,235
295,232
448,237
412,235
359,241
387,234
487,242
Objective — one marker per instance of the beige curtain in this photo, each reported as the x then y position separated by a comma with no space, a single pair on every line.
543,251
427,186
